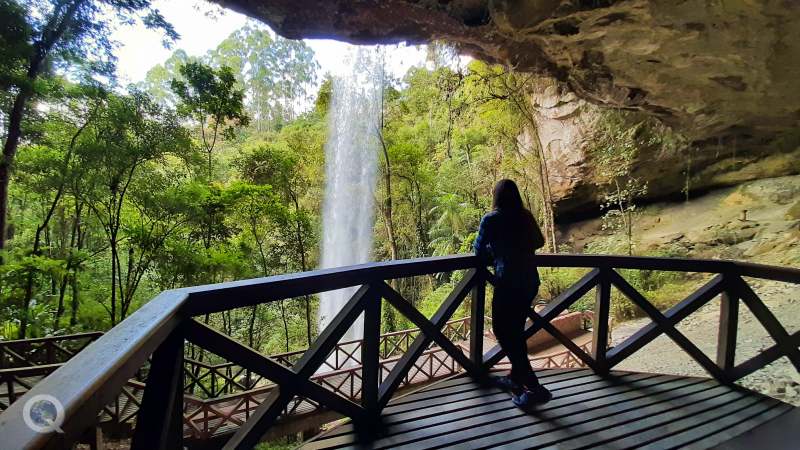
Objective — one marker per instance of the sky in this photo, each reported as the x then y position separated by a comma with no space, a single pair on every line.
140,48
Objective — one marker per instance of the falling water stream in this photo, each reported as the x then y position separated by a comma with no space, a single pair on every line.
350,170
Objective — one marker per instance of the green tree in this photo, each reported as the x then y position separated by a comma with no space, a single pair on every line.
209,97
47,171
131,133
281,167
44,34
616,145
276,73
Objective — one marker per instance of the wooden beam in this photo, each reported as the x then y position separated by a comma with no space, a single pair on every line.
250,433
330,336
634,262
237,294
94,377
420,344
553,309
370,356
223,296
674,315
429,329
768,321
766,272
728,327
566,341
666,326
476,320
159,423
767,356
242,355
602,309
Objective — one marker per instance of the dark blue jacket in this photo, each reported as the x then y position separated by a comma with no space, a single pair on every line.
508,240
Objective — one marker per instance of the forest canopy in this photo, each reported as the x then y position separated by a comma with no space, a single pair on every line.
211,169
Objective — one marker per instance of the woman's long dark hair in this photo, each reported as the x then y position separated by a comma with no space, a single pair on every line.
506,198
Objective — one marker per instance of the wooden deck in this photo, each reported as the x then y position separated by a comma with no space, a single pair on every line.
622,410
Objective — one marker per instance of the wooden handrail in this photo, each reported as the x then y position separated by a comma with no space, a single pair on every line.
199,370
43,350
93,378
66,337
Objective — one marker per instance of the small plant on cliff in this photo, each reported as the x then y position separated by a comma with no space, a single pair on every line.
616,146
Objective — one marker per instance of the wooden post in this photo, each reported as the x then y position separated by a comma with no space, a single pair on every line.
600,328
12,396
728,325
370,357
49,353
476,320
159,424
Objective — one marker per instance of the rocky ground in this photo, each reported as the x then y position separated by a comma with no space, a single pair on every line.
779,379
757,221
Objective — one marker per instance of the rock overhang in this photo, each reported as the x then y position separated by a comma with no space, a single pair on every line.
710,68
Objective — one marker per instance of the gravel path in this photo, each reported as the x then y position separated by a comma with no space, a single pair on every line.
779,379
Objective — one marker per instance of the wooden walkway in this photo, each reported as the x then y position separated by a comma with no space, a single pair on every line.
622,410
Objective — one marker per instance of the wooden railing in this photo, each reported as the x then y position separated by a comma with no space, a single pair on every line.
29,360
93,378
206,418
204,378
44,350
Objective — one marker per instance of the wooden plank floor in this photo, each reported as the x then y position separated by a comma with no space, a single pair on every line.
622,410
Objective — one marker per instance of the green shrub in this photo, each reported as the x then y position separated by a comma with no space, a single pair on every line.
276,445
556,280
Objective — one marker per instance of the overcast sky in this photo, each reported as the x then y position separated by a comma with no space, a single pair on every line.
141,48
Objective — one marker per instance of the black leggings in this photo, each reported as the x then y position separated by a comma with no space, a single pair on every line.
510,307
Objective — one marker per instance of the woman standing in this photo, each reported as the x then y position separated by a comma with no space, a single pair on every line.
507,238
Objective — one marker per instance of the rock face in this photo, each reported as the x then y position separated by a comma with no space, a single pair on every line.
724,73
566,126
717,69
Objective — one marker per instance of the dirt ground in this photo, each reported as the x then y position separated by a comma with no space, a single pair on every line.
779,379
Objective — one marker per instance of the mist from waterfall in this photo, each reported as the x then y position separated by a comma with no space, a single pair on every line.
350,170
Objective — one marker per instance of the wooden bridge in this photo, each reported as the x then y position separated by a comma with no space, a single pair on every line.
592,407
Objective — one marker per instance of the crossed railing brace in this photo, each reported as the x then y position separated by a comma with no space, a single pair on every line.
295,381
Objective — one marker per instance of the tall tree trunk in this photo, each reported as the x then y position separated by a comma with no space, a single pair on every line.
387,181
301,249
544,181
51,34
9,152
36,251
285,324
251,326
388,312
65,278
26,301
388,217
112,241
75,303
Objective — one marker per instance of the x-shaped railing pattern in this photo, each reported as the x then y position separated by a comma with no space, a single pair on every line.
295,381
375,394
160,328
731,287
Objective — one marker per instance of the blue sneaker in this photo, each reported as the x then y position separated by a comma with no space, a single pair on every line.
525,398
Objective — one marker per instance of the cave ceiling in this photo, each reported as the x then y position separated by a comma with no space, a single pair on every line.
717,70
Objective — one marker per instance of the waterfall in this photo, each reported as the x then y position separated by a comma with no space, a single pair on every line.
350,169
